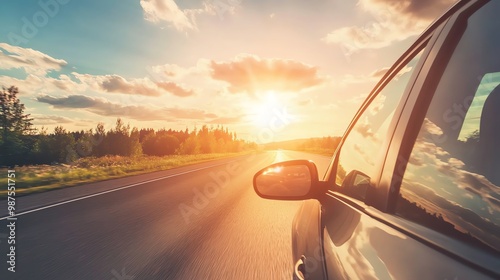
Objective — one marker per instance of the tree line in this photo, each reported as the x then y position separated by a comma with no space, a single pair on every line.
21,144
328,143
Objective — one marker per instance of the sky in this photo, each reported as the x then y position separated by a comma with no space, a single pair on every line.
267,70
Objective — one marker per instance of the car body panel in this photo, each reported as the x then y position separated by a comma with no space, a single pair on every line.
349,237
307,239
442,266
357,246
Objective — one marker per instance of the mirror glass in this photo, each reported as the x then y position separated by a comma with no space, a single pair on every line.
284,180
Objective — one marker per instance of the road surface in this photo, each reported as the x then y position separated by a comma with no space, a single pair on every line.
202,221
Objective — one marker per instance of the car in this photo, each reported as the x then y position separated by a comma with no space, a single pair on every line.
413,189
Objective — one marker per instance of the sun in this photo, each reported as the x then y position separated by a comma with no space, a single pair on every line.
265,109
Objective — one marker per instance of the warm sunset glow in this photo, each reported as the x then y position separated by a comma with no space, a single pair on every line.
265,108
273,170
168,64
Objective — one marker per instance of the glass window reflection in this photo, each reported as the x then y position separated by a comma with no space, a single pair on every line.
362,146
452,181
291,180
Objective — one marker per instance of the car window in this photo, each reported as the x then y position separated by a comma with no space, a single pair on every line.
452,180
362,145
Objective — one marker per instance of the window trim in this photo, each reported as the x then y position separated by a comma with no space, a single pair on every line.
407,131
425,43
419,100
438,33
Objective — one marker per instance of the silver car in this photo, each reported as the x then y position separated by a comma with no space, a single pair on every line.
413,190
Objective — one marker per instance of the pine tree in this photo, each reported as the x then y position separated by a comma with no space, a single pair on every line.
15,125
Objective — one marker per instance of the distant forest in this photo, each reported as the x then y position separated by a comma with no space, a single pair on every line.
324,145
21,144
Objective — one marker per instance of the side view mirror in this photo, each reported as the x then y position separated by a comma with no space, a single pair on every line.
289,180
356,184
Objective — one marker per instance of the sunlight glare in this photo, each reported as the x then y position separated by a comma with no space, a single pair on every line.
263,111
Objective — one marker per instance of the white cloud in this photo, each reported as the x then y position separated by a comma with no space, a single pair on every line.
31,61
176,72
34,84
158,11
251,74
103,107
349,79
394,21
167,10
40,119
143,86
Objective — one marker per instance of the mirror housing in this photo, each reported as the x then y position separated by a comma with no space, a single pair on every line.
356,185
288,180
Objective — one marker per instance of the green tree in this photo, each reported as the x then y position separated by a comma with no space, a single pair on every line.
190,146
121,141
134,147
85,143
148,144
64,145
166,145
44,151
15,127
100,145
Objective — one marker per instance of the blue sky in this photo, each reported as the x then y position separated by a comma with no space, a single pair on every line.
176,64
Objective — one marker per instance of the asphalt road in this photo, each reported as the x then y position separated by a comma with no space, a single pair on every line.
203,221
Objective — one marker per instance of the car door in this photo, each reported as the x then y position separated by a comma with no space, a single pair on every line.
325,227
349,234
368,232
443,171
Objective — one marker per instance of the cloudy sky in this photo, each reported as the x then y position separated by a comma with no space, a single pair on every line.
268,70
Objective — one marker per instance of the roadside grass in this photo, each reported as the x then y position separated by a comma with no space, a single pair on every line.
39,178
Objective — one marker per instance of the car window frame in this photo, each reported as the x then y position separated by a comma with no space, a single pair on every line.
424,42
405,135
411,119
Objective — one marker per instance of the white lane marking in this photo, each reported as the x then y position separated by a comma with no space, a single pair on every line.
113,190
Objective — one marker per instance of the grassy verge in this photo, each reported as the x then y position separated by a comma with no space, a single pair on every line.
39,178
